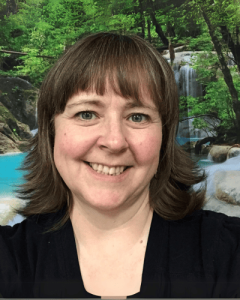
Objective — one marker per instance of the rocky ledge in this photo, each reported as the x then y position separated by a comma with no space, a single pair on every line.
223,188
14,135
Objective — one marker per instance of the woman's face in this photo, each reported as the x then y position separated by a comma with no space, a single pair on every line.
110,134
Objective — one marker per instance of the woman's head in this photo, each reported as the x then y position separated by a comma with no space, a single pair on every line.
117,69
108,132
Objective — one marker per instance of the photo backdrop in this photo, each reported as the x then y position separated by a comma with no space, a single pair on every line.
199,39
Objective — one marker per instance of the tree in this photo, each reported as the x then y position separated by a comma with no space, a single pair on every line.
206,9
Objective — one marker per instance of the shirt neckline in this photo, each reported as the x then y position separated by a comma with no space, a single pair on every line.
152,259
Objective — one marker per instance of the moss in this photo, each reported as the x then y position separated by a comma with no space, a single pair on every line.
6,114
30,96
23,146
16,89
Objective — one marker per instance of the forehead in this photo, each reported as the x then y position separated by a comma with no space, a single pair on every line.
98,101
91,94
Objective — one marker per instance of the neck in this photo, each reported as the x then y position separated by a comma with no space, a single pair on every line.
122,229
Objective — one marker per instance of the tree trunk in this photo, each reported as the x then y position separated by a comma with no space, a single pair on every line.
226,73
149,31
142,19
170,30
229,41
11,7
158,28
199,143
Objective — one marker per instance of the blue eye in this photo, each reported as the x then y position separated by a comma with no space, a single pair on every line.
86,114
146,116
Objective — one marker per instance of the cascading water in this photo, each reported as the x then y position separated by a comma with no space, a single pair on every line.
186,79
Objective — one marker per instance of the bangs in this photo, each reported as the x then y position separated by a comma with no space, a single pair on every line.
131,71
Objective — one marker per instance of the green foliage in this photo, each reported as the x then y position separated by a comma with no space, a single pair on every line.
201,43
45,28
16,89
217,100
50,26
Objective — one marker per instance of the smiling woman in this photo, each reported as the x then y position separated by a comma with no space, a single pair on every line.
109,200
136,80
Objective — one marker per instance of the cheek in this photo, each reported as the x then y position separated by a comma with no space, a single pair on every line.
70,145
148,149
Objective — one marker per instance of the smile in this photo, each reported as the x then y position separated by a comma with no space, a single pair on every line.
114,178
113,171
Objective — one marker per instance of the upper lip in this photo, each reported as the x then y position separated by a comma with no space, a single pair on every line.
110,166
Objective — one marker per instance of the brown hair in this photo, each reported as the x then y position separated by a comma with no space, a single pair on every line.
132,61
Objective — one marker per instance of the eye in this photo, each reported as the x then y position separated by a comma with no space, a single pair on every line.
86,115
139,117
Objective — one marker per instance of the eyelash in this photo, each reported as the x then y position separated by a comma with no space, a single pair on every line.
92,112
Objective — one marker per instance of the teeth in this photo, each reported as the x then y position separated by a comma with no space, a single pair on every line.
106,170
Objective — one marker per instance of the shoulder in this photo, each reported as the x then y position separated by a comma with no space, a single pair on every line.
203,250
210,228
16,241
203,239
222,242
210,220
24,248
32,228
217,225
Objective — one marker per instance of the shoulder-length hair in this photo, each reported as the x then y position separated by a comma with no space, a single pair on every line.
133,61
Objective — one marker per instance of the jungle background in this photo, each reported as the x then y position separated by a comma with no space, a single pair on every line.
35,33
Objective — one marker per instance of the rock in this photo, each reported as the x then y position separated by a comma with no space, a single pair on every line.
227,186
6,210
223,189
4,129
222,153
234,151
213,204
219,153
20,98
13,134
7,145
206,149
21,129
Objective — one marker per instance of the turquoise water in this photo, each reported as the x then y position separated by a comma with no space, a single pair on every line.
9,175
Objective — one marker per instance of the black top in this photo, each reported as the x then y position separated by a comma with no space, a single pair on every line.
198,256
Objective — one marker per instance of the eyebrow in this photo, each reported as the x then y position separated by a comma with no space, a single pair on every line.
101,104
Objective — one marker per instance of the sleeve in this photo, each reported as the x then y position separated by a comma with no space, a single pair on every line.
227,259
7,268
10,270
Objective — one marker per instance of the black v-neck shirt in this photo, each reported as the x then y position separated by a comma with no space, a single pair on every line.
196,257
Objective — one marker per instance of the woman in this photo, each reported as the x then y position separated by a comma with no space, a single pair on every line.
111,210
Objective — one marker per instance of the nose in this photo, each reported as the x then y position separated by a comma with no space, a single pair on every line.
113,135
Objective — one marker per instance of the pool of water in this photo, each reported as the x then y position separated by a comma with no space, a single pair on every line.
10,176
8,173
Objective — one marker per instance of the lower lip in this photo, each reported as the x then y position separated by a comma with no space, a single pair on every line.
108,178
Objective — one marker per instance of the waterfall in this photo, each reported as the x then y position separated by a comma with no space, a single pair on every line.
186,79
34,131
